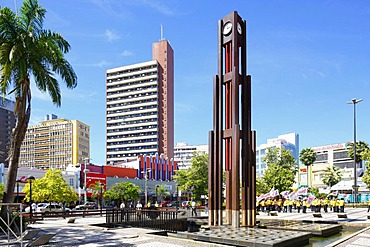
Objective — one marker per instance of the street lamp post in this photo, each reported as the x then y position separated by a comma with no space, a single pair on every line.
101,198
146,184
177,195
85,185
354,102
156,192
30,179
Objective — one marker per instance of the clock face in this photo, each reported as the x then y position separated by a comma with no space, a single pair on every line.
239,27
227,28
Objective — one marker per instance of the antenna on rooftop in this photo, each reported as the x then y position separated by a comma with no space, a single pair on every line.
161,33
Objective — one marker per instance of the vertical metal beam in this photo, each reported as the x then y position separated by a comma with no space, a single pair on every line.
211,180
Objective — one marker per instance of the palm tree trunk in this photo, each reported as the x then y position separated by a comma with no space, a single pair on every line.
23,112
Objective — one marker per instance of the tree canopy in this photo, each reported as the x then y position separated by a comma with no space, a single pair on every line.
332,176
51,188
307,156
123,191
261,186
195,178
361,147
281,169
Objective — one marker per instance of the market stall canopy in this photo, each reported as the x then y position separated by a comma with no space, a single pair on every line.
347,185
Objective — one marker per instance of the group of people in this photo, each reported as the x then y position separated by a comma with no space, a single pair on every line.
287,205
140,206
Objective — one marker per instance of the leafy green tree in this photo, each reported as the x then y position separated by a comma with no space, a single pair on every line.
27,49
361,147
51,188
123,191
278,177
332,176
281,157
261,186
307,157
314,191
281,169
195,178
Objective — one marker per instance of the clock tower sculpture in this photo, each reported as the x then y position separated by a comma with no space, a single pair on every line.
231,142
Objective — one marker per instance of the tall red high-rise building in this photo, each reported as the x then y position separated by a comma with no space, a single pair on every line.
140,107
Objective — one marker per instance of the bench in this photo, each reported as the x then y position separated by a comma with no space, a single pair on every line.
71,220
273,214
43,239
34,219
342,216
317,215
30,234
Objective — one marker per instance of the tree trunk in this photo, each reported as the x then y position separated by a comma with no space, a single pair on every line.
22,112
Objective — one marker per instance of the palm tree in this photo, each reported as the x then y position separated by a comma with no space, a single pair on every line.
26,49
307,157
97,192
361,146
332,176
162,192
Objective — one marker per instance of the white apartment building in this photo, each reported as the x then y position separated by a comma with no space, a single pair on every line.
184,152
288,141
132,111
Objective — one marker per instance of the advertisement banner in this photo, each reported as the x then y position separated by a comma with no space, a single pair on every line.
92,179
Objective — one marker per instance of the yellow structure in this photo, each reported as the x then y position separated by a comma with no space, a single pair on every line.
55,143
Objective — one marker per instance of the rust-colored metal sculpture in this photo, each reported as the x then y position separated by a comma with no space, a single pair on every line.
231,142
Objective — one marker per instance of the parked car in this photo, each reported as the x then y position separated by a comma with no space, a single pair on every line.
47,207
87,205
165,203
173,204
186,204
27,209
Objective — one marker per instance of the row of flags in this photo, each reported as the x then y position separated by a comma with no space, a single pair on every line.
291,195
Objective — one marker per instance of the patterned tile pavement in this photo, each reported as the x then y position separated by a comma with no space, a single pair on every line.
82,233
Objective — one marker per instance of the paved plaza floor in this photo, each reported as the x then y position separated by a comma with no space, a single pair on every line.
83,233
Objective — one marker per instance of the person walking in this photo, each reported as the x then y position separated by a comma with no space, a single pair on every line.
341,205
298,205
305,205
139,206
368,205
326,203
193,208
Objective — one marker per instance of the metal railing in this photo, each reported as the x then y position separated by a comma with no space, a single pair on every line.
12,225
159,219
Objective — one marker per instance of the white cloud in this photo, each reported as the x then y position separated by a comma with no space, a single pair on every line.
37,94
111,35
181,107
159,7
127,53
101,64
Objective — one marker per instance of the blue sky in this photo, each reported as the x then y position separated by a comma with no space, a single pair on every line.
306,59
